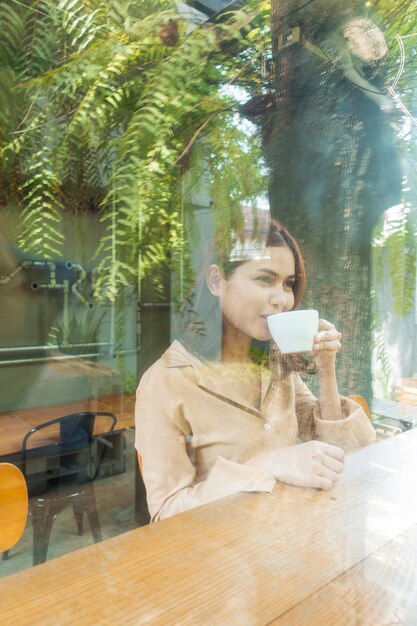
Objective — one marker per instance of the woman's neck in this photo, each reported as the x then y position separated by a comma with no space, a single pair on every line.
238,353
235,345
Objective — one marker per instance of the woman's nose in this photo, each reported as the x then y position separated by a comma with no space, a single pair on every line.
277,297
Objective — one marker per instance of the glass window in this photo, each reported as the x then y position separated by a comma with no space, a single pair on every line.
173,178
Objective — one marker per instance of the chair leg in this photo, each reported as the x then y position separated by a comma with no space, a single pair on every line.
90,507
78,516
40,544
42,520
92,515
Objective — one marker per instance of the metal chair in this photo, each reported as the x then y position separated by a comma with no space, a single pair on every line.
60,469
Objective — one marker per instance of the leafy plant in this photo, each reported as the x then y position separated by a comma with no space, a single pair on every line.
395,258
113,97
79,330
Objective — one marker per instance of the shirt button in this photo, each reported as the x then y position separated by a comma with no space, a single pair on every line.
267,426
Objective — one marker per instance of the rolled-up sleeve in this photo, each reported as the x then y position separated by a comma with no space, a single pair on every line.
353,431
170,475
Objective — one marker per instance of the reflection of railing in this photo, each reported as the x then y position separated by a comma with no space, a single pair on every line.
61,357
66,345
53,347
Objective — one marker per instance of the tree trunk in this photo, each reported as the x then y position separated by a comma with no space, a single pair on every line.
326,142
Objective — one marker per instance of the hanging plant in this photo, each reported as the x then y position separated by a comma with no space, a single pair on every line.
113,97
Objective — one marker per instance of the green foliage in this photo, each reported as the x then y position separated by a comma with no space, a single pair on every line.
394,281
104,102
383,371
239,175
395,258
79,330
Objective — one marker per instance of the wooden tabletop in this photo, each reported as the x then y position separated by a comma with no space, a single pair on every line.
344,557
14,425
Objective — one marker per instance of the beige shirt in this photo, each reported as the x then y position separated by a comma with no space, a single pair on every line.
194,436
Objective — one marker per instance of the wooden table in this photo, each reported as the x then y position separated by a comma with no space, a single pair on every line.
14,425
295,557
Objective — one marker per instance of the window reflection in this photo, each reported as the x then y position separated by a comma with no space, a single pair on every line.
66,370
144,145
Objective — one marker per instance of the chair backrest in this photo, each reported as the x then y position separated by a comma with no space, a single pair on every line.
60,452
13,505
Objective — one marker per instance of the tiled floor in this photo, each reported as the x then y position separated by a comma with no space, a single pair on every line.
115,501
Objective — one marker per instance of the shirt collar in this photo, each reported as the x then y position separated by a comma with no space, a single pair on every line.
177,356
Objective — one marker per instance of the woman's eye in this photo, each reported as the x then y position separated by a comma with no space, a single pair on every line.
289,284
265,279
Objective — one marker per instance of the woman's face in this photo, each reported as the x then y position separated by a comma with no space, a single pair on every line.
255,290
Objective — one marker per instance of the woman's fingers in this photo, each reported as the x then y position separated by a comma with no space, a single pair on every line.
312,464
327,332
333,451
331,346
328,465
333,464
325,325
328,335
324,483
327,339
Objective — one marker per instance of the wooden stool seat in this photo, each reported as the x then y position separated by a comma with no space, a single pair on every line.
363,403
13,505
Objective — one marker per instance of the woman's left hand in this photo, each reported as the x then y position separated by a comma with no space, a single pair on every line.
326,345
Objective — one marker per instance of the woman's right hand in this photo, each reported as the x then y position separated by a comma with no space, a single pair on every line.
312,464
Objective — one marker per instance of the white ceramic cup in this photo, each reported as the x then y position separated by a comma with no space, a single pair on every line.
294,331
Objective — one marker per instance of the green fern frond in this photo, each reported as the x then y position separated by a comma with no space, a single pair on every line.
401,256
384,372
80,23
394,254
12,32
40,45
42,205
7,103
124,104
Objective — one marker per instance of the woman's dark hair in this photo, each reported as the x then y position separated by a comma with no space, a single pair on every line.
278,236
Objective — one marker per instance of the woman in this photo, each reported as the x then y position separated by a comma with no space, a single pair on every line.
206,429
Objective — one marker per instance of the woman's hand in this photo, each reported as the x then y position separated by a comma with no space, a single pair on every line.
326,345
313,464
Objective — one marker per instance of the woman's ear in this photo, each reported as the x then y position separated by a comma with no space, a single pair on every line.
214,280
